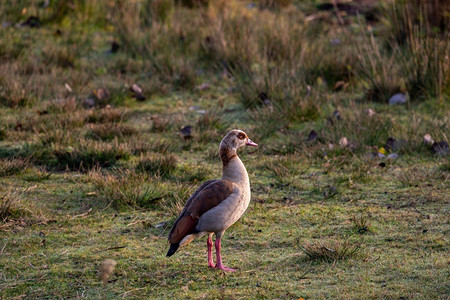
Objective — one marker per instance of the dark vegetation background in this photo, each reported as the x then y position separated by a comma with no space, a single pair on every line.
111,113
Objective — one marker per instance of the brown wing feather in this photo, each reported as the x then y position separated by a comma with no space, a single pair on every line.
209,197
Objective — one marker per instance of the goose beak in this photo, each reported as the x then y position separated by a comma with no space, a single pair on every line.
251,143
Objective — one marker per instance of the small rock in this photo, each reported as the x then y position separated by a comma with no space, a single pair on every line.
392,156
102,94
398,98
6,24
115,47
393,144
137,92
89,103
268,103
68,88
312,136
136,89
427,139
203,86
32,22
186,132
45,3
440,148
263,96
107,269
308,90
337,115
370,112
343,142
390,144
161,224
335,42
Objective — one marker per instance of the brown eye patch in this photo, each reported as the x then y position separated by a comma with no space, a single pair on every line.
241,135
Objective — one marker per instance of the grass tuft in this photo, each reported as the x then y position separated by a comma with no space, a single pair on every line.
157,165
10,167
331,251
361,224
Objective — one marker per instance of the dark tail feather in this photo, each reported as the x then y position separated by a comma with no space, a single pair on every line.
173,248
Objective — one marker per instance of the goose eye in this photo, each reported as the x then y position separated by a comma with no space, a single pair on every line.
241,136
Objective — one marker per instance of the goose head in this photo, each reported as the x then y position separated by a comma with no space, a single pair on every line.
236,139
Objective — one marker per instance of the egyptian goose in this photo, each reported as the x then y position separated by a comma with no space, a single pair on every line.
216,204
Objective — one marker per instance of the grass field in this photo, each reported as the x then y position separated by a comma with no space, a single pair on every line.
348,201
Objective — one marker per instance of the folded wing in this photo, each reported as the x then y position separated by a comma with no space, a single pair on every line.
208,196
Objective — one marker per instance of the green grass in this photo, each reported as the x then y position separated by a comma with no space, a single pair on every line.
88,195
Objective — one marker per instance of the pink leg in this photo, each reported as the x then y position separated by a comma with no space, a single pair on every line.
209,243
219,264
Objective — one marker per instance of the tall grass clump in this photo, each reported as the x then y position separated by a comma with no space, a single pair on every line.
162,165
330,251
377,70
125,189
11,206
423,40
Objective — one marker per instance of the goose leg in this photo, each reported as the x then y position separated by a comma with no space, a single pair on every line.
209,243
219,264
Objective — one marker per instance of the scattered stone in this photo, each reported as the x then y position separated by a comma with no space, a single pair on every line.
68,88
394,145
392,156
186,132
312,136
89,103
45,3
329,191
337,115
107,269
308,90
343,142
428,140
353,146
370,112
102,94
161,224
390,144
263,96
335,42
32,22
115,47
398,98
137,92
6,24
440,148
203,86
